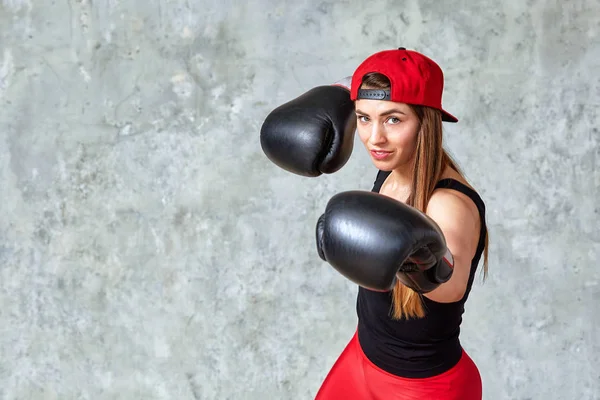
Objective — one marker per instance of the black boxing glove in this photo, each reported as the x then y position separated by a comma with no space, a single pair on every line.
374,240
312,134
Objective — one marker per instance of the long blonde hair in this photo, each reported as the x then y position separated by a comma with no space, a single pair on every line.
429,163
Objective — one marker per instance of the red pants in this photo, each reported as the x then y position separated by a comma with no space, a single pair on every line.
354,377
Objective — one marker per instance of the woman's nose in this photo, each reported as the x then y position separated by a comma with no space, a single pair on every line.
377,135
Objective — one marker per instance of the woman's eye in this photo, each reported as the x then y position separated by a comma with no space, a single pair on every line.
362,118
394,120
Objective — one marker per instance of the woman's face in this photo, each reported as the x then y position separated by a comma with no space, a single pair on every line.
389,132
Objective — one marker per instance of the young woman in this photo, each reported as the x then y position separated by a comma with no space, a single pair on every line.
413,244
407,343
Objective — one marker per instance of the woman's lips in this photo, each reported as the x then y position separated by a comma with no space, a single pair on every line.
380,154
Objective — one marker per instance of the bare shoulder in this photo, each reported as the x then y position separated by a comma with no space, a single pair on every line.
457,215
452,203
453,211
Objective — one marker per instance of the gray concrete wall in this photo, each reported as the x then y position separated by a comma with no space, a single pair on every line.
148,250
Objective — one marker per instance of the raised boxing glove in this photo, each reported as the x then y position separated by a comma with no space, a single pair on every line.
312,134
374,240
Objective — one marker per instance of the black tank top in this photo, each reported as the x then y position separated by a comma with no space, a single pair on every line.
418,347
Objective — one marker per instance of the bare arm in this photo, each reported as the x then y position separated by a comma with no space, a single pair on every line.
458,219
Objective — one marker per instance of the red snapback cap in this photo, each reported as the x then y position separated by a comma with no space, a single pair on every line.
415,79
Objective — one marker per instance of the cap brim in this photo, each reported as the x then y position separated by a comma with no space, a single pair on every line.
447,117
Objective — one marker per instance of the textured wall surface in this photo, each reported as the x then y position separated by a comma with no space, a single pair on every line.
148,249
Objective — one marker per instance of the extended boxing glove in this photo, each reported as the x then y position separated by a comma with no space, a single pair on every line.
312,134
374,240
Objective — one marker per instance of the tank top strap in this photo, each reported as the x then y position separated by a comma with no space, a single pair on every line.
379,179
